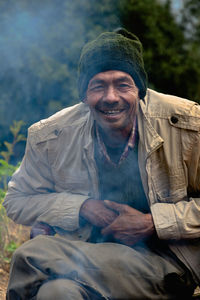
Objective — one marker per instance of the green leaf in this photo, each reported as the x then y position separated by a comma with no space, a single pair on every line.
11,247
5,155
16,127
20,138
9,146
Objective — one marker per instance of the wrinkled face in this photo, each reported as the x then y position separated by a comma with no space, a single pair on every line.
112,97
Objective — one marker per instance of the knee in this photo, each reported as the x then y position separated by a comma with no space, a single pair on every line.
61,289
24,254
29,248
18,256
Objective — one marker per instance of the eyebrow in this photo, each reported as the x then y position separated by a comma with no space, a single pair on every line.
96,81
117,80
124,78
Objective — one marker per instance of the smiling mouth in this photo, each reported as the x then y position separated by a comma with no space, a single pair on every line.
111,112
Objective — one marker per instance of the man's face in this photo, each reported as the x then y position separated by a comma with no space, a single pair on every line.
112,97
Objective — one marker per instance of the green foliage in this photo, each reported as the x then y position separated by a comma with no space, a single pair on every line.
6,170
8,243
9,249
172,65
190,23
39,50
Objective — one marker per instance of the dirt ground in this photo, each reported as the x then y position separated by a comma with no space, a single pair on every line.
19,234
4,274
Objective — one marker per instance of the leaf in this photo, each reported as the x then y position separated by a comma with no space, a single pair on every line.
11,247
5,155
20,138
9,146
6,169
16,127
7,259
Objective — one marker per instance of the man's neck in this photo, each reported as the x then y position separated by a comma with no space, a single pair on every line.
115,138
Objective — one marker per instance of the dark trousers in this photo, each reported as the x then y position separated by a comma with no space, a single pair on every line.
52,267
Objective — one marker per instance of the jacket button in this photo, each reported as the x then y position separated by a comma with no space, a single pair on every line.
174,119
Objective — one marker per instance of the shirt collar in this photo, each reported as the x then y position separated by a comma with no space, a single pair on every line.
130,145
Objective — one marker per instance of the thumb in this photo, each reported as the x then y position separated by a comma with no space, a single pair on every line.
115,206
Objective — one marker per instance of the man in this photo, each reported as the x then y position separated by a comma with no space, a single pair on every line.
117,177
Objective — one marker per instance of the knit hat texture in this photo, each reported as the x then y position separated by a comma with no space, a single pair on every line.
119,50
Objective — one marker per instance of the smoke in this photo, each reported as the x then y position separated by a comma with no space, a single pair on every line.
40,44
20,30
22,35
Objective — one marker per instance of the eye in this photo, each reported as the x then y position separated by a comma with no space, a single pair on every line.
123,86
95,88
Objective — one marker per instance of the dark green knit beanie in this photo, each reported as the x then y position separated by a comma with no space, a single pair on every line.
119,50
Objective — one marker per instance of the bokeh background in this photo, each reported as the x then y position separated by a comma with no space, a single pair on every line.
40,44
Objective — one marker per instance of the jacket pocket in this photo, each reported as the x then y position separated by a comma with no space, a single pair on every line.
170,187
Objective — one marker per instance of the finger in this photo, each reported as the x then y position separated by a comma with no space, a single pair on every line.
106,230
115,206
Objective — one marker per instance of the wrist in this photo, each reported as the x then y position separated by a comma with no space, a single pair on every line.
83,217
149,224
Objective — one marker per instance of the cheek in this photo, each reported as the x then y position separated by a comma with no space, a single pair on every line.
134,98
133,104
92,104
91,100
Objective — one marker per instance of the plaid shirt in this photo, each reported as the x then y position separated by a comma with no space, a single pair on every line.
129,145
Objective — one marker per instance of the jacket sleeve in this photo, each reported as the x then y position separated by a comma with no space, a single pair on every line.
181,220
177,221
32,197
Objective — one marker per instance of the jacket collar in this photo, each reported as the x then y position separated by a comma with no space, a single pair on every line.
149,139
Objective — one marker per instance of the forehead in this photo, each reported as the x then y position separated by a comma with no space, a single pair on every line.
112,75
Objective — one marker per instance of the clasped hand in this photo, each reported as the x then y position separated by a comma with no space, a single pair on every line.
126,224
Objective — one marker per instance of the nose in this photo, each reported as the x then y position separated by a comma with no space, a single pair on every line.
111,95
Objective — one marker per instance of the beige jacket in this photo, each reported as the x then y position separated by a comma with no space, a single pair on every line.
58,172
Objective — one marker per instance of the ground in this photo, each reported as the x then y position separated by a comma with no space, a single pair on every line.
17,234
4,274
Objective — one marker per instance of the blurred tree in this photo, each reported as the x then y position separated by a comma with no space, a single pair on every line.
190,19
168,58
40,44
39,50
190,23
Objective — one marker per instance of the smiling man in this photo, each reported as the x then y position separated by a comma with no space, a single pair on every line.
113,98
117,178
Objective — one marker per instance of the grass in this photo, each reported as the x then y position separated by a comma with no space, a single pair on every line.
11,234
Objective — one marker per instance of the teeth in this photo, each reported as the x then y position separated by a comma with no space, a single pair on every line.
110,112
